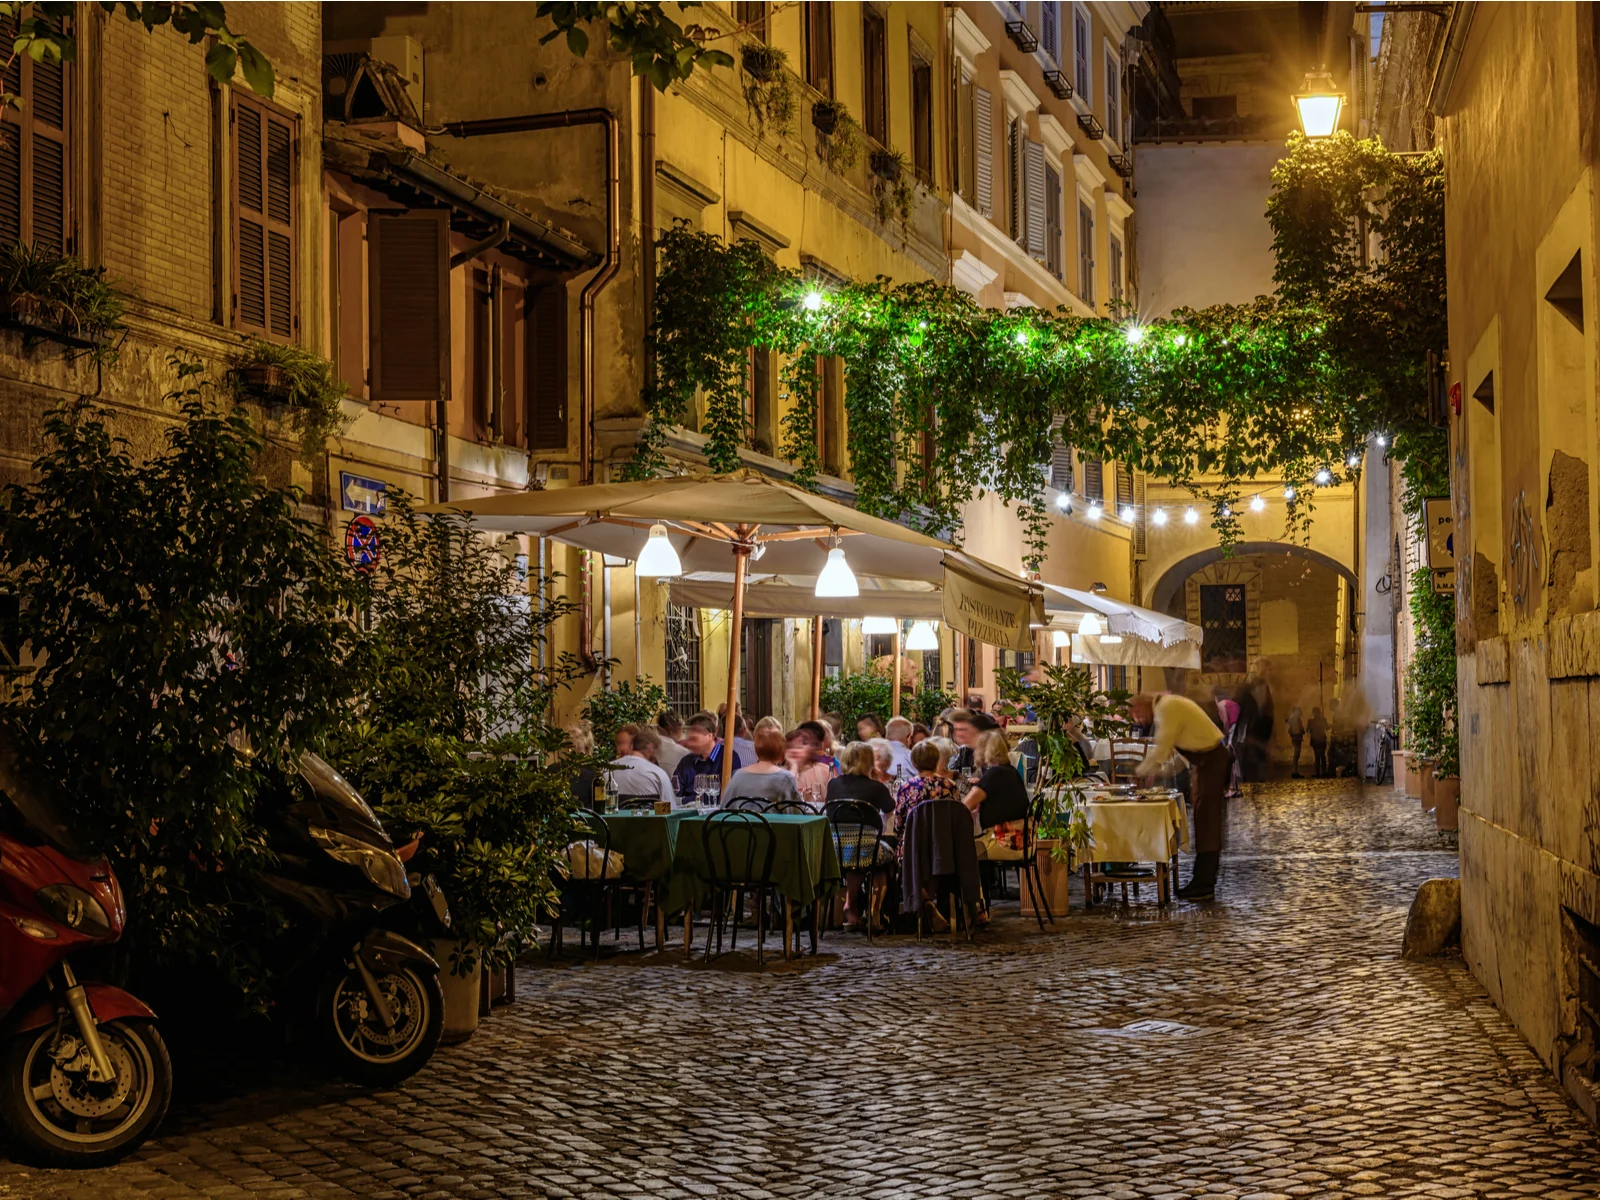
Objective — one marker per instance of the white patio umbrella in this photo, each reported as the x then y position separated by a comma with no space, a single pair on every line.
1148,638
770,529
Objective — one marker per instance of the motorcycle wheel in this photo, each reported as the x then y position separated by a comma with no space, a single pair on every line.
363,1050
60,1117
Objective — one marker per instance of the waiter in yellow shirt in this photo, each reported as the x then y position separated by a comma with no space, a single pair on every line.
1178,723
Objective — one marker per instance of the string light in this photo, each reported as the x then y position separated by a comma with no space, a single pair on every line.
1022,337
1135,335
1064,502
1258,504
1354,460
1190,517
1288,493
1226,511
1181,339
813,301
1324,477
1094,512
1127,513
1382,441
1159,516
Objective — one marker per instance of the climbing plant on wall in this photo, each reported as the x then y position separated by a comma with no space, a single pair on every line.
947,400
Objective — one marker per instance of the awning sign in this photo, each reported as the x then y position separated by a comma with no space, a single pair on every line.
370,496
989,611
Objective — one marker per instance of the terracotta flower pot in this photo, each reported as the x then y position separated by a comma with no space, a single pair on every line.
1401,758
1427,785
1053,879
1413,775
1447,802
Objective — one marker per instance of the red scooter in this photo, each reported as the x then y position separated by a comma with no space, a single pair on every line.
84,1074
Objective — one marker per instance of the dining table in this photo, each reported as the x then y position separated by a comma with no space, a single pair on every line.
1134,828
645,841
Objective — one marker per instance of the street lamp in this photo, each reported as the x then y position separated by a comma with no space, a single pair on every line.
1319,104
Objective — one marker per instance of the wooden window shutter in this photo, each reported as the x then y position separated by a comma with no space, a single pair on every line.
1060,459
1033,171
547,368
983,142
1050,28
35,182
1141,546
265,223
1052,221
409,280
1093,479
1080,53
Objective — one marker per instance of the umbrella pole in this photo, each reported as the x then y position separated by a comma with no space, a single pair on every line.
894,700
741,554
816,667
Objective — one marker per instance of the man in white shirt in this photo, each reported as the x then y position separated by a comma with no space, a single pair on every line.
899,731
638,774
1179,724
670,754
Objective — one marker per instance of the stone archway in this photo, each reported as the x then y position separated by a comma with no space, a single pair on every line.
1167,594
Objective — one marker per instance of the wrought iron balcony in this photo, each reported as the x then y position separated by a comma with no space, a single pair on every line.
1059,84
1090,124
1120,164
1023,35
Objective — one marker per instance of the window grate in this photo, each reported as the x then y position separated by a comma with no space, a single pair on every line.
683,660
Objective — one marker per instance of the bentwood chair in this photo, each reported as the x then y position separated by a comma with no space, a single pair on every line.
739,849
793,808
856,827
636,803
1126,755
585,883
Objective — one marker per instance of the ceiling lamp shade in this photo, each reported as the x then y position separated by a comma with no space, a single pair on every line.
879,625
658,558
1319,105
1089,626
922,637
1060,639
836,579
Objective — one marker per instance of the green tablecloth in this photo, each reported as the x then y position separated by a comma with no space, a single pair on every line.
805,864
645,841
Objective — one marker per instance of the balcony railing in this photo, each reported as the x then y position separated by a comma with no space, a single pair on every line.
1059,84
1090,124
1120,164
1023,35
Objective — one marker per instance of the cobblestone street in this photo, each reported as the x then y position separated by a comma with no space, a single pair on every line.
1272,1044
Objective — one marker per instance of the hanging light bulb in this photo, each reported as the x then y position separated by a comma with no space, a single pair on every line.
1094,512
1181,339
1257,504
813,301
1324,477
836,579
1127,513
1159,516
1060,639
658,558
922,637
1135,334
1064,502
1288,493
1382,441
879,624
1089,626
1353,461
1190,517
1022,337
1227,511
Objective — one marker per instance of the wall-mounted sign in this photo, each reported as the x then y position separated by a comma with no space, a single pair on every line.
360,495
361,543
1439,518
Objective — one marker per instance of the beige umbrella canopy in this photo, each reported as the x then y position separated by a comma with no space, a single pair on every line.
768,529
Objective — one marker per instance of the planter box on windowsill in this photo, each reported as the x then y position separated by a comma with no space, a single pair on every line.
27,316
265,381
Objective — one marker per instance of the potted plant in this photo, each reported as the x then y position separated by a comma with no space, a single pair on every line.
1062,837
52,295
1447,782
888,165
1427,784
274,373
825,114
768,91
838,135
891,185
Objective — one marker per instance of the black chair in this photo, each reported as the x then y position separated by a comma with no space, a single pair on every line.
938,851
739,850
857,829
792,808
587,825
636,803
1028,864
753,804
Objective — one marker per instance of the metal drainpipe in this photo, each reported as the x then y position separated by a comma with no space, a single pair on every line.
647,196
496,382
569,119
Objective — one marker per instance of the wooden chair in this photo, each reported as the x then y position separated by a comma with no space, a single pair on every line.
1126,755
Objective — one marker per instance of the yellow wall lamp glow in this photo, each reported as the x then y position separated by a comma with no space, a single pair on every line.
1319,105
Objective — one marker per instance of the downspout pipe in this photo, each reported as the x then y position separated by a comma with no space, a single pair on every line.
573,118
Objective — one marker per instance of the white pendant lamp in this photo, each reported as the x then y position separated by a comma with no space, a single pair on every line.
922,637
836,579
1060,639
878,624
1089,626
658,558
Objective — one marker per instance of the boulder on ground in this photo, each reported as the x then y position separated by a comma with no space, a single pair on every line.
1434,922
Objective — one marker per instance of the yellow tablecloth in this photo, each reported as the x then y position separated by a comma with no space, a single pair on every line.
1135,830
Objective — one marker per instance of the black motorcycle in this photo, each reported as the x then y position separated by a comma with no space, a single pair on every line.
379,1007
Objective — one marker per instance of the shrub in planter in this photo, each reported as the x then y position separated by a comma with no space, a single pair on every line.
627,703
856,694
57,295
839,136
769,94
272,373
891,185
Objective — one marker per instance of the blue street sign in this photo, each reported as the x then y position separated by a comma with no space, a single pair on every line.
360,495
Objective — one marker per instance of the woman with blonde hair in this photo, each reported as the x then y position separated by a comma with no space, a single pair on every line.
998,798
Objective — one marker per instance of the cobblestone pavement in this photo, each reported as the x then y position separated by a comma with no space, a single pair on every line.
1270,1045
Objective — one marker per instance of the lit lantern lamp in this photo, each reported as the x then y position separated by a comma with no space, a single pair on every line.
658,558
836,579
1319,104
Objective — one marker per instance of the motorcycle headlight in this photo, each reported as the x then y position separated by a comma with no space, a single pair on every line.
379,865
74,908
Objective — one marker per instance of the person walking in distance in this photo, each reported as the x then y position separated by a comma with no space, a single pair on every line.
1178,723
1296,727
1318,729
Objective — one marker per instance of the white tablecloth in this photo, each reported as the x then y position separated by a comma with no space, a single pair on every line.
1136,830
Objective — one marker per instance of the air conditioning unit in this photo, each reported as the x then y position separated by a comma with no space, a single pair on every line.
404,54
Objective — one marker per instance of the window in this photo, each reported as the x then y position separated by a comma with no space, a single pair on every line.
1082,76
264,220
1085,252
1214,108
683,660
983,150
961,138
922,118
1060,459
1113,98
1114,269
1052,221
752,18
1034,183
409,323
35,180
1094,480
759,412
547,367
931,671
1050,29
874,74
974,665
1222,617
819,47
880,645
